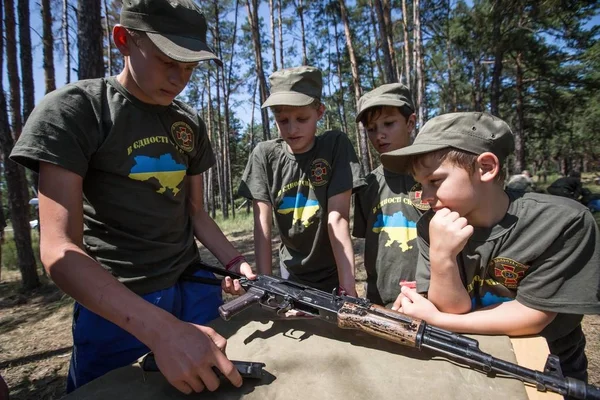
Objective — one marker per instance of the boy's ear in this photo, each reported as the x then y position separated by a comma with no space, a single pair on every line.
321,110
121,39
411,122
489,166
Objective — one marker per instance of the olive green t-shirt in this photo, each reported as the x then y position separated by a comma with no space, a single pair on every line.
134,159
386,212
544,253
298,187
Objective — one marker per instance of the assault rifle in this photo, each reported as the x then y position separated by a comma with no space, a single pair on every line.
348,312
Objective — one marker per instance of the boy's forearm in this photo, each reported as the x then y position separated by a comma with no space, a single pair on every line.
262,247
91,285
446,289
510,318
210,235
341,244
263,219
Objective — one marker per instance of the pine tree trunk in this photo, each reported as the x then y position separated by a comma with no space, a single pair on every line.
360,132
300,10
14,176
519,132
388,68
407,73
26,74
221,133
452,95
66,41
217,145
48,47
252,6
498,54
273,38
280,25
90,37
26,58
226,97
376,35
223,184
389,31
420,73
108,38
341,108
371,67
12,68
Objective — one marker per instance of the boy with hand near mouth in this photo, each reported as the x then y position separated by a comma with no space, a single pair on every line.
387,210
305,181
496,262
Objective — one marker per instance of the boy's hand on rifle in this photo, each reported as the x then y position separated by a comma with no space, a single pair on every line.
448,233
232,286
185,354
414,305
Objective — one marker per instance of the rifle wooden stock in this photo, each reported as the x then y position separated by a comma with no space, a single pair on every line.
381,322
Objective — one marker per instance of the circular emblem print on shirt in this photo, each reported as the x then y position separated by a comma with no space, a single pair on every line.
320,170
183,136
415,197
508,272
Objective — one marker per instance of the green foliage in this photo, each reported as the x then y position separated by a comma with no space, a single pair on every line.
9,250
243,222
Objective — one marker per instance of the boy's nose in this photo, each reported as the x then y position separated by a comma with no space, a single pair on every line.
427,195
177,76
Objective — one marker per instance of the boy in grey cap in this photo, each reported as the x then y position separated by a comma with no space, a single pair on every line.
120,167
387,210
496,262
305,181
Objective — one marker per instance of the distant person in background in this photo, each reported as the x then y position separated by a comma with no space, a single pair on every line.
521,182
568,186
542,175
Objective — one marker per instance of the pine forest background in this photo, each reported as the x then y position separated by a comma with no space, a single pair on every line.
536,64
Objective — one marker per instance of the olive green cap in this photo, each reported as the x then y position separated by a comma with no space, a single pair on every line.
473,132
176,27
299,86
391,94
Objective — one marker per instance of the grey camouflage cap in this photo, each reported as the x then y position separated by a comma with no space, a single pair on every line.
473,132
391,94
176,27
298,86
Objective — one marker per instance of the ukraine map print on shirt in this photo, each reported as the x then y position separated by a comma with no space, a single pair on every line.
164,169
398,228
303,208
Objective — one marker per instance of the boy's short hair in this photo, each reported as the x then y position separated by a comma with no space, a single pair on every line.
176,27
316,104
371,103
470,132
298,86
460,158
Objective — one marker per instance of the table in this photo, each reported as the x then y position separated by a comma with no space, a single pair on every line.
312,359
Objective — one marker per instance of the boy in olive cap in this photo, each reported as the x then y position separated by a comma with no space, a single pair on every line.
120,189
306,182
386,211
496,262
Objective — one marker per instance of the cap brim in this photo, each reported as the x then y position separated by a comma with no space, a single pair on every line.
380,102
398,160
288,99
183,49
